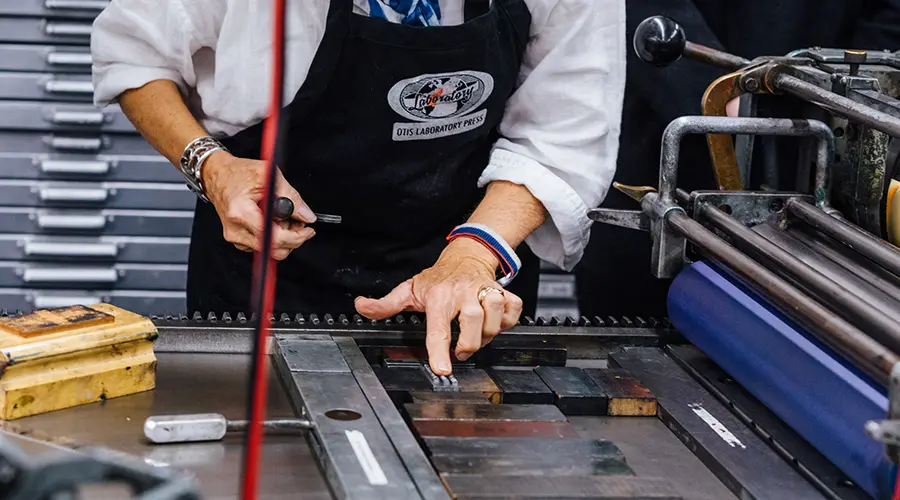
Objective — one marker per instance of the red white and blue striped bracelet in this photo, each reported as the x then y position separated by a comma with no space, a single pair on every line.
509,261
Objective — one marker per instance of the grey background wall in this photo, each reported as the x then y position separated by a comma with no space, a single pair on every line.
89,212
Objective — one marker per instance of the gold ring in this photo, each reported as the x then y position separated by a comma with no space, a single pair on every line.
485,290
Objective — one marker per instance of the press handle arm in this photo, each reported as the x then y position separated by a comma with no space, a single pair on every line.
660,40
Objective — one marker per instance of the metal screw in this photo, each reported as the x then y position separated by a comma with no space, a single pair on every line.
751,84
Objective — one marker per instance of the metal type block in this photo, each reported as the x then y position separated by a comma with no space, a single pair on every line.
476,486
515,447
627,396
536,463
311,356
576,393
507,352
521,386
442,383
496,429
442,411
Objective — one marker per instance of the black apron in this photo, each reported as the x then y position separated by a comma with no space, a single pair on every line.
390,130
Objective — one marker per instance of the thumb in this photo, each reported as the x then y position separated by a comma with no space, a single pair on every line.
399,300
301,209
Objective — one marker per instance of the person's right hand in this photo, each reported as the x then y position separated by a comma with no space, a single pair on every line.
235,187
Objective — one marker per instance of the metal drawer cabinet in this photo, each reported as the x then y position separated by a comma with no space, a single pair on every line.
113,195
121,249
46,31
137,301
75,167
60,9
46,87
93,276
45,58
96,222
16,143
40,116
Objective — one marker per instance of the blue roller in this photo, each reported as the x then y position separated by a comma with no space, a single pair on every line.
800,380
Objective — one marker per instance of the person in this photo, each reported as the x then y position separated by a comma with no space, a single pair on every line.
498,121
656,96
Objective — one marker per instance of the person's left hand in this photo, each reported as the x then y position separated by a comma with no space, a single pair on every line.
447,290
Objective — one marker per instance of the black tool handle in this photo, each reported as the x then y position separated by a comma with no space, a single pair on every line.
661,41
282,208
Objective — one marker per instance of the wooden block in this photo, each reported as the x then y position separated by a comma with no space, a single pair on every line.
437,410
576,393
537,463
627,396
507,352
450,397
582,449
477,486
60,358
477,380
472,429
521,386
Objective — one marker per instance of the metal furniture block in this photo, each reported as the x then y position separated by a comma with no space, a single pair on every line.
495,429
535,463
32,247
627,396
576,393
457,412
515,447
521,386
472,486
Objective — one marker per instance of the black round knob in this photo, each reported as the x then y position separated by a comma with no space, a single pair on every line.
659,40
282,208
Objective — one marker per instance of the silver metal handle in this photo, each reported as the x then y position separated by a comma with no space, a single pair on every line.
67,29
77,117
69,58
76,143
58,221
54,301
86,167
55,249
80,195
69,275
69,87
77,4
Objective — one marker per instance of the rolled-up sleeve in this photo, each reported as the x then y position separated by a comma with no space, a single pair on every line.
134,42
560,131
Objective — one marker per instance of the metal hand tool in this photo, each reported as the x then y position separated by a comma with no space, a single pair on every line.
284,207
207,427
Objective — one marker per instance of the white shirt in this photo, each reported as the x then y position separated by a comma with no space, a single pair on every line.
560,131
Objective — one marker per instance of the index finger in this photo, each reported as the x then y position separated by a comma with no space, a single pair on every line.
439,311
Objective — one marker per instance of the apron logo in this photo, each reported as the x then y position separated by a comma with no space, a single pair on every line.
440,105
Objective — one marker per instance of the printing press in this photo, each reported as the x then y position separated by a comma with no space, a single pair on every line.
775,376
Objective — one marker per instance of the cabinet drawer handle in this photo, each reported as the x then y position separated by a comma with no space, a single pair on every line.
54,301
84,195
56,221
69,275
69,59
86,167
76,143
77,4
68,87
73,250
67,29
77,117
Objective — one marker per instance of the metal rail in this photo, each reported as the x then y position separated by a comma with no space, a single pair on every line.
881,326
870,356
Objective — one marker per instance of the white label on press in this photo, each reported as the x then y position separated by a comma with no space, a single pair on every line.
717,426
366,459
419,131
